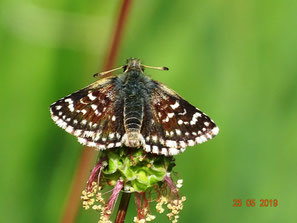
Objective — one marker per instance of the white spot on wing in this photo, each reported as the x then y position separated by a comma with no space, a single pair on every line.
174,106
191,143
111,135
171,143
61,123
69,129
155,149
82,101
185,112
92,144
94,107
69,100
198,140
194,118
159,114
173,151
147,148
88,134
203,138
97,137
182,144
97,113
170,115
110,145
71,108
166,119
92,98
164,151
77,132
215,130
82,141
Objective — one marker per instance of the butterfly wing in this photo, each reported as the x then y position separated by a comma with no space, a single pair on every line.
172,123
92,114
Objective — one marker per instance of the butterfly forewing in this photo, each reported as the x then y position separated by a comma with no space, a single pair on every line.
177,124
133,110
92,115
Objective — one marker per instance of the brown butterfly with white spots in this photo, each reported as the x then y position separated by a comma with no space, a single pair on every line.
131,109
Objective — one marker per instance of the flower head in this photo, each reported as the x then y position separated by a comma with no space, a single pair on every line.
133,171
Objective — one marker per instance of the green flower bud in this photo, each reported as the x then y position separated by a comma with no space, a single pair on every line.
136,168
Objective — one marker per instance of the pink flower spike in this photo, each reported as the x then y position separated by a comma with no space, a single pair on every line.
114,196
96,172
170,183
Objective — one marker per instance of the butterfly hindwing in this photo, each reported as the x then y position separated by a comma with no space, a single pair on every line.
92,114
176,123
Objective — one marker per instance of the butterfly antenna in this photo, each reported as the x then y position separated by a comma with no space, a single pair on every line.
106,72
156,68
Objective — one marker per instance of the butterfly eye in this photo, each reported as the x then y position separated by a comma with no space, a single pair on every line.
125,68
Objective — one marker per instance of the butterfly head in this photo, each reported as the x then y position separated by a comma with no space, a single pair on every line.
133,64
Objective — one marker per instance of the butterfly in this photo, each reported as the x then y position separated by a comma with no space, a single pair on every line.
130,109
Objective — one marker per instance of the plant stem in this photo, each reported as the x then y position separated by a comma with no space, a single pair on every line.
83,166
125,199
80,176
118,35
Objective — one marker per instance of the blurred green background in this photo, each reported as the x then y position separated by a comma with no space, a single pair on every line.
236,60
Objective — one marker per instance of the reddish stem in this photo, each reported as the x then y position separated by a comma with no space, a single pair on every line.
125,199
82,169
118,34
78,182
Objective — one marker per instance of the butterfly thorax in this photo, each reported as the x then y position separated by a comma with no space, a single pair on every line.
134,98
